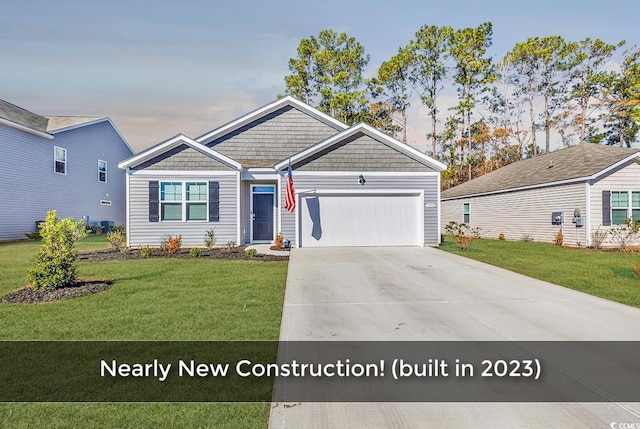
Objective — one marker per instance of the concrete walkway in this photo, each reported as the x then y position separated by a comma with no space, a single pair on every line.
265,249
412,293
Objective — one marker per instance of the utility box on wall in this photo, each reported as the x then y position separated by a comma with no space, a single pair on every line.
557,218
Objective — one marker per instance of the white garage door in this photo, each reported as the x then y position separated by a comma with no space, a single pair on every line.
386,219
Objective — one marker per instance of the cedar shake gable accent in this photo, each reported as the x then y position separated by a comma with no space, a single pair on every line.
580,162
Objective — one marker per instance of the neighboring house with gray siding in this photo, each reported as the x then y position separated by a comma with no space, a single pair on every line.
353,185
600,183
66,164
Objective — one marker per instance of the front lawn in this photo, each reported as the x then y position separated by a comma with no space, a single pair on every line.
607,274
151,299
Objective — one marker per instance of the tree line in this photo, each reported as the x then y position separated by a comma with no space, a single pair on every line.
543,88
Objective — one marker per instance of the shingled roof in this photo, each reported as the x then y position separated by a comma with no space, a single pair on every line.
23,117
573,163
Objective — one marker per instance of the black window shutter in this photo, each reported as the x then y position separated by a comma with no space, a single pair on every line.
606,208
214,201
154,201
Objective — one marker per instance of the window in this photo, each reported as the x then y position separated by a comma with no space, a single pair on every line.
59,160
183,201
623,207
465,213
197,201
102,171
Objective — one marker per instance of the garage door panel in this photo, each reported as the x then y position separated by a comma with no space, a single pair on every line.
360,220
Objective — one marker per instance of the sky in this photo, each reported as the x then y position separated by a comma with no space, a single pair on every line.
159,68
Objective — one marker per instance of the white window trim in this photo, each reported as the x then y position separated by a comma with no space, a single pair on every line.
106,171
183,202
630,208
55,149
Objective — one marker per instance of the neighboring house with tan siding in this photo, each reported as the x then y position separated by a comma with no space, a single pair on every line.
353,185
602,183
61,162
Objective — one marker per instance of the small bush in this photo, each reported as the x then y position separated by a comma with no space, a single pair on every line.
501,236
624,235
195,252
251,252
459,231
117,240
35,236
279,241
636,270
119,228
476,232
145,251
210,238
54,267
558,238
230,245
174,244
598,237
526,238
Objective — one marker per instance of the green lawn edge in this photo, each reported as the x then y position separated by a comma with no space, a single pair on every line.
605,274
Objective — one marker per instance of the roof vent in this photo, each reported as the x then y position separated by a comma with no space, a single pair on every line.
550,163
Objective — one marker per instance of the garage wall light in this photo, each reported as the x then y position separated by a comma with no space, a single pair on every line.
361,180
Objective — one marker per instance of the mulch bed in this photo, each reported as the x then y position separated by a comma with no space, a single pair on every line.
236,253
26,295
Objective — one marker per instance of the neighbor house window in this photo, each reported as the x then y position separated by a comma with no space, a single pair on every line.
183,201
102,171
624,205
465,213
59,160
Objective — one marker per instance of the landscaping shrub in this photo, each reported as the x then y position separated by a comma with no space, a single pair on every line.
279,241
501,236
558,238
145,251
117,240
174,244
598,237
251,252
230,245
459,231
195,252
210,238
624,235
35,236
54,267
526,238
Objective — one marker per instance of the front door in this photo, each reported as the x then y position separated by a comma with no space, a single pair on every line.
262,215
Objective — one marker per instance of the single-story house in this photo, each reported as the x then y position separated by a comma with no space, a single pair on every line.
353,185
59,163
578,190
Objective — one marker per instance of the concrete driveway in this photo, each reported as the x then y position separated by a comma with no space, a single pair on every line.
410,293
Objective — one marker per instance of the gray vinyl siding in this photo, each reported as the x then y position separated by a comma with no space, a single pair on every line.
31,187
273,137
144,233
361,153
626,178
428,183
183,158
523,212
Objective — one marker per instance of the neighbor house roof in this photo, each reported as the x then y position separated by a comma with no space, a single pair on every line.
577,163
57,123
24,119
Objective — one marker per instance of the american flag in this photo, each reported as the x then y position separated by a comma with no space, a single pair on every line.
290,197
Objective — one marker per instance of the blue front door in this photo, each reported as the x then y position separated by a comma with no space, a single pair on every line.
262,217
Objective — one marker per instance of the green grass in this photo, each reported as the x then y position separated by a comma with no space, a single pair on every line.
607,274
151,299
